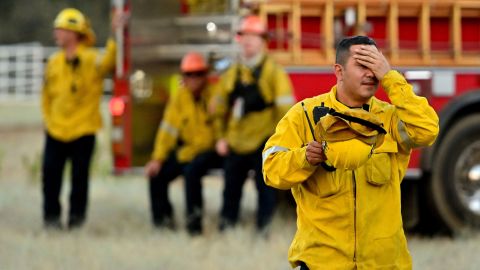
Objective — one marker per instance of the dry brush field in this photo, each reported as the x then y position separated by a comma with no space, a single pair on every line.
118,234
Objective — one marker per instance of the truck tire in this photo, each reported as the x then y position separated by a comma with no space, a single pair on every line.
455,182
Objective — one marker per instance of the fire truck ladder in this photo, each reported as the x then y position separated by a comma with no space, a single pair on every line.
182,34
456,50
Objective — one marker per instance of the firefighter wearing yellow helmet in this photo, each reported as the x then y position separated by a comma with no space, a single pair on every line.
73,20
253,96
345,175
184,145
72,89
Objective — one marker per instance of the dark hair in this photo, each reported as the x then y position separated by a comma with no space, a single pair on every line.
343,48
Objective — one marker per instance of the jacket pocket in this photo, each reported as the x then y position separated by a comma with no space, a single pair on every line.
325,183
379,166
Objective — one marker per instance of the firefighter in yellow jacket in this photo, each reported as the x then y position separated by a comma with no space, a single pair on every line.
253,95
71,96
348,217
184,146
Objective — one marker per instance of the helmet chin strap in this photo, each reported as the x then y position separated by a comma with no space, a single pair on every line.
361,121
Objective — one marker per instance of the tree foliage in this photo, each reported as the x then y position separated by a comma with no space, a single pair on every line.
25,21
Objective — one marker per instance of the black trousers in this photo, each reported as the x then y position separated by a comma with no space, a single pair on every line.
193,173
236,172
56,153
159,201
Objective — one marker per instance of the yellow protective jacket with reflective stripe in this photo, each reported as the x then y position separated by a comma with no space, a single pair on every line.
351,219
72,91
185,120
248,133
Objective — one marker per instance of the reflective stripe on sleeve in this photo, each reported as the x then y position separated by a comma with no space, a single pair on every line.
272,150
169,129
284,100
98,60
406,140
219,99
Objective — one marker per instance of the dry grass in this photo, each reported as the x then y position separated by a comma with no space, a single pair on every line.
118,234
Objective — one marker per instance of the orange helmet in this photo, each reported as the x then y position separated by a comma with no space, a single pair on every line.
192,62
252,25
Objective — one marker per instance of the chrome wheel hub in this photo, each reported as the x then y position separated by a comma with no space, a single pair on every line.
467,177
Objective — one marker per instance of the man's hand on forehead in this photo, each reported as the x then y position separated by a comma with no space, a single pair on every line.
372,58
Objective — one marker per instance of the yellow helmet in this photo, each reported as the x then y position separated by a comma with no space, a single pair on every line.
72,19
348,155
349,137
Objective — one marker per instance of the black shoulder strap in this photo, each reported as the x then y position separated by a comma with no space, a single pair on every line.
358,120
257,71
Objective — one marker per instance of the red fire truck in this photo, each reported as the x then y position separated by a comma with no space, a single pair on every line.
434,43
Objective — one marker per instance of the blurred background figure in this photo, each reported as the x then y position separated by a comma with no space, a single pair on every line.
73,83
184,145
253,96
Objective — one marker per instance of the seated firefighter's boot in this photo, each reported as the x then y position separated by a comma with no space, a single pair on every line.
194,223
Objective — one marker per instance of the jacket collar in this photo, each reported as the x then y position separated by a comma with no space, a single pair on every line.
338,106
78,51
252,62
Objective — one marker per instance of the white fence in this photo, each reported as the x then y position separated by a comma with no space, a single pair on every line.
21,70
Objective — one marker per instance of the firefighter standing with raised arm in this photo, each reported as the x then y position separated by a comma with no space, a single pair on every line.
253,95
184,145
345,173
71,96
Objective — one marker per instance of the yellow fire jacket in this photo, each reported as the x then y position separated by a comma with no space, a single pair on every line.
72,91
185,120
247,133
351,218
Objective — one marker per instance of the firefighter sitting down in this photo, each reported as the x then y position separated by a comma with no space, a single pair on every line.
184,145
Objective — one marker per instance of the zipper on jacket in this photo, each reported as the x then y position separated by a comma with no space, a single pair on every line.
354,185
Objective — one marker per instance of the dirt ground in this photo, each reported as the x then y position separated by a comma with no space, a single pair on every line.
118,234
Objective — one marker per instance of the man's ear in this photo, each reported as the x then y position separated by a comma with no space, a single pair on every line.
338,72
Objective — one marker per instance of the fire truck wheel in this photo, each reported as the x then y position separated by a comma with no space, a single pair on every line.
455,184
